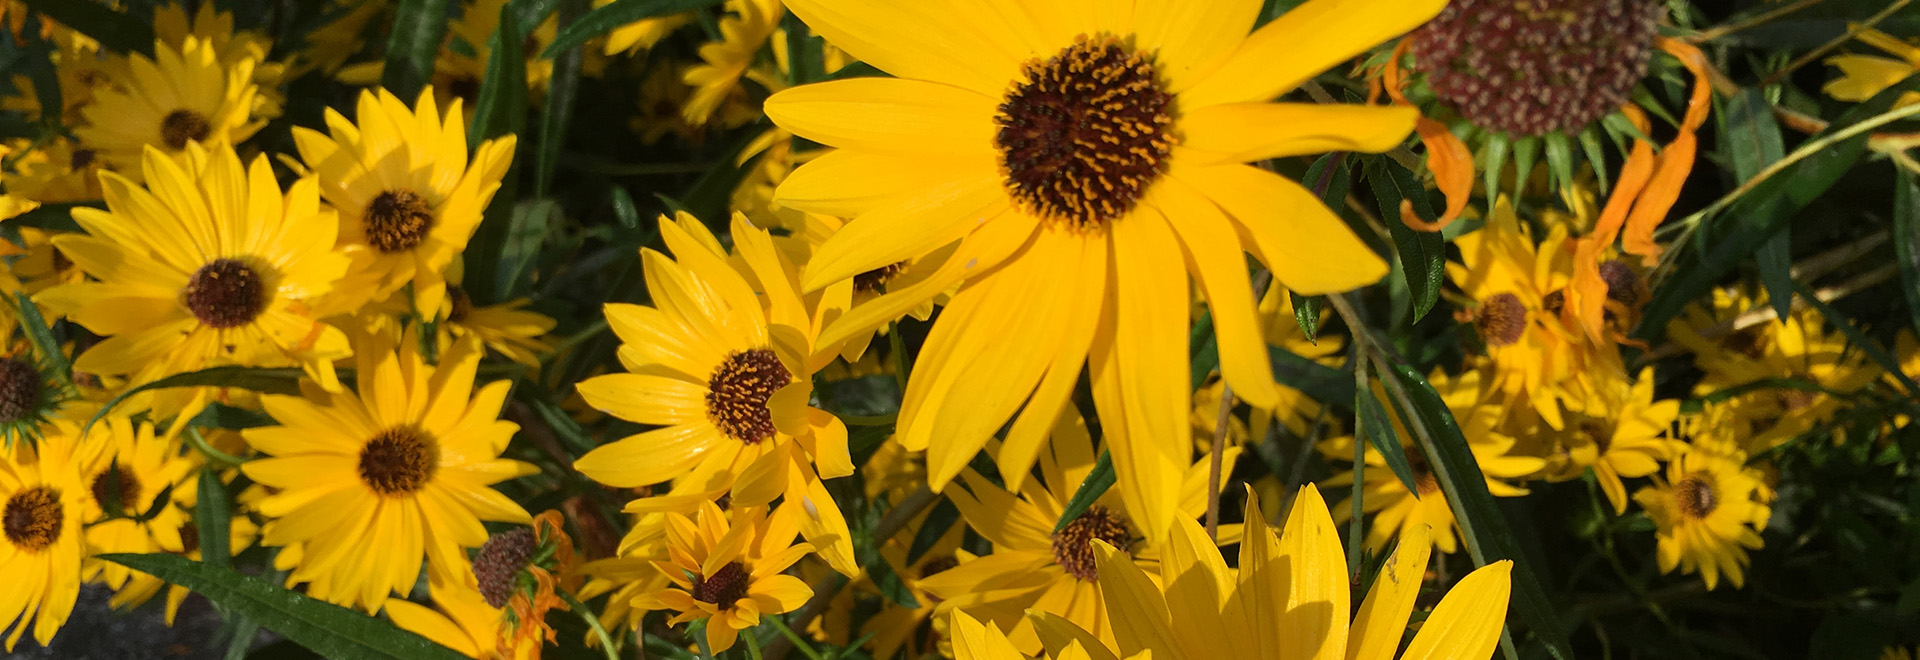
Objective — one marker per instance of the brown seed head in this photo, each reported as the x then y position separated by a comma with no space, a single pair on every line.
180,127
1501,319
1073,546
21,388
398,220
738,390
399,461
1697,494
33,518
226,293
725,587
499,562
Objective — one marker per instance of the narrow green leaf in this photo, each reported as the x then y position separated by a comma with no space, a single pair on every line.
939,519
1325,384
119,31
1860,339
244,630
1096,484
212,512
1306,313
1597,156
1525,152
418,28
624,209
1752,142
1493,159
324,628
52,217
1488,537
618,13
1906,239
708,199
41,335
563,426
1331,177
562,88
1203,349
278,380
1423,254
500,110
1379,432
532,222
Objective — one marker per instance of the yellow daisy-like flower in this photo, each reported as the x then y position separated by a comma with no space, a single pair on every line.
642,34
40,522
78,66
209,264
184,95
507,328
1520,292
41,265
720,362
134,468
729,572
1032,567
1710,510
172,25
407,195
1398,510
1287,598
1629,441
973,641
460,619
405,466
1087,159
1862,76
723,62
58,170
1798,348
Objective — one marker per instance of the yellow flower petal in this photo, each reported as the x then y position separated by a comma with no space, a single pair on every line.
1466,624
889,115
1244,132
1303,42
1308,248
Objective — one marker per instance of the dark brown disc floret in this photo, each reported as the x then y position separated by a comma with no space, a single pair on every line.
499,561
21,388
33,518
1500,319
226,293
1085,132
738,391
1073,545
182,126
399,461
398,220
1697,494
726,586
117,477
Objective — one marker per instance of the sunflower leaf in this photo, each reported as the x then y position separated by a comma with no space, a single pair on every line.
1488,537
274,380
1203,351
1906,242
1306,313
562,89
1380,434
119,31
500,110
327,629
211,515
1752,143
939,519
41,334
56,217
1423,254
1597,157
1317,380
418,27
1097,483
617,14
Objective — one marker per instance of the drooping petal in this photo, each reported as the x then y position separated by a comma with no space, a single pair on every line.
1308,248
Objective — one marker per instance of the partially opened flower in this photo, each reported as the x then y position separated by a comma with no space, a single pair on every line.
1288,597
1087,160
728,570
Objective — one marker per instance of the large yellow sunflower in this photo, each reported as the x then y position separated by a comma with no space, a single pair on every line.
407,195
729,571
1288,597
405,466
210,264
1088,158
724,371
184,95
1031,566
42,549
1710,510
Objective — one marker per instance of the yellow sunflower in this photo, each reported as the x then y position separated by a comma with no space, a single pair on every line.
41,265
1087,159
184,95
1032,567
508,328
1862,76
58,170
642,34
209,25
1629,440
729,572
1398,510
1710,510
406,466
407,195
1799,348
135,468
209,264
721,364
743,32
1519,290
41,555
1287,598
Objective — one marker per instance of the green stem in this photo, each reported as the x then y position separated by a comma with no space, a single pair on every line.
200,444
798,643
753,644
606,641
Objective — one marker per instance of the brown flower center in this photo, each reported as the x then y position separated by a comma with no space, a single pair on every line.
1600,434
1793,399
1086,132
725,587
499,563
20,389
1073,546
1500,319
1696,495
399,461
226,293
33,518
1623,286
461,304
738,391
1554,302
182,126
81,158
123,479
1530,67
1423,480
398,220
875,281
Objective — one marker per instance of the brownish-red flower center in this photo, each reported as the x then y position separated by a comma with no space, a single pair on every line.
180,127
399,461
398,220
1085,133
875,281
725,587
1500,319
20,389
498,564
1073,546
226,293
738,391
116,477
1697,496
33,518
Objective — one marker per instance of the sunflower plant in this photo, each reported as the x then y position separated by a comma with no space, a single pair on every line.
990,330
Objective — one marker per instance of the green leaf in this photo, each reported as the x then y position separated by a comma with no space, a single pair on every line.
1306,312
1423,254
939,519
532,222
500,110
1906,240
1204,350
1331,177
562,88
1488,537
212,512
1860,339
324,628
117,30
1752,143
1560,159
52,217
41,335
624,209
616,14
1379,432
1323,383
1096,484
1590,144
1493,159
418,28
277,380
563,426
709,196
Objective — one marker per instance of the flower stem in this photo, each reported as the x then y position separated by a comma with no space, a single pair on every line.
586,614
